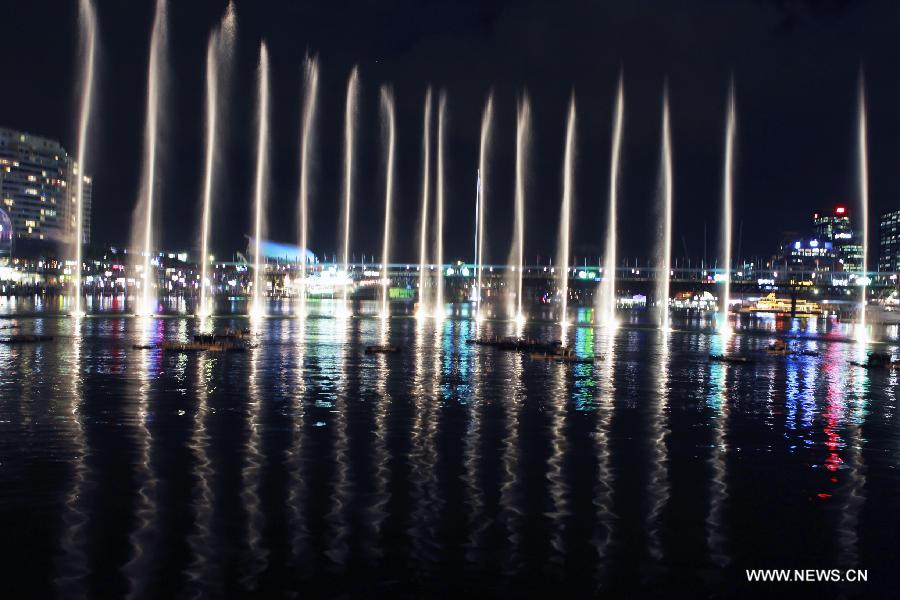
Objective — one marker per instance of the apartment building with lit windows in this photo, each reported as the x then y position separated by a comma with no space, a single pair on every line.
38,189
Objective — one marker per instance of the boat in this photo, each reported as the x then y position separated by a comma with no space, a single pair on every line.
382,349
739,360
26,339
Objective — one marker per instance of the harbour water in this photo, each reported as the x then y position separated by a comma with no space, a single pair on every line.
304,467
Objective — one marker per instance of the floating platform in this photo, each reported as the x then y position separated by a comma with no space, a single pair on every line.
738,360
878,361
26,339
382,349
519,344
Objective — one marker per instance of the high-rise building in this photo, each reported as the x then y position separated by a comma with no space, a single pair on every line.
889,242
836,227
38,189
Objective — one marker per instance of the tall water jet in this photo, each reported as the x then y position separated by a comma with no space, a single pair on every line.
439,309
311,91
664,248
426,189
146,305
565,217
517,251
257,309
349,127
607,300
220,42
88,22
727,204
864,203
484,147
387,115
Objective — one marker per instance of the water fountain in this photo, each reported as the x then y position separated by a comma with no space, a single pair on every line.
664,248
147,304
864,203
565,218
478,240
484,147
309,110
439,308
257,309
727,199
88,21
349,127
387,115
220,43
426,188
607,298
517,250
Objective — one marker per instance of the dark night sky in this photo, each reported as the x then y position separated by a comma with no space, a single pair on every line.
795,64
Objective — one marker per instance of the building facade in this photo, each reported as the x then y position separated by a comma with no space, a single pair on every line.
39,189
889,242
835,228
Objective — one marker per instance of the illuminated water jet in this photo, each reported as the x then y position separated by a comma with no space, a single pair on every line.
664,251
517,251
349,127
146,305
426,189
864,203
439,309
387,115
88,22
565,218
257,309
607,298
309,110
220,42
484,148
727,201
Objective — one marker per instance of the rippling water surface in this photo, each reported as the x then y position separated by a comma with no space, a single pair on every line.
305,467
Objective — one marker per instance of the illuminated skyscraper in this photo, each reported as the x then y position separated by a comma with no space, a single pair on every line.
836,227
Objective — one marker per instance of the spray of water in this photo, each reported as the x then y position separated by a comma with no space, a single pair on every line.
257,310
426,189
146,306
727,217
484,148
349,129
607,307
517,251
219,46
439,221
864,203
565,217
387,115
664,250
306,136
88,21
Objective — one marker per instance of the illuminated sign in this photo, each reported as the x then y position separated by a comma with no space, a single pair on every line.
840,210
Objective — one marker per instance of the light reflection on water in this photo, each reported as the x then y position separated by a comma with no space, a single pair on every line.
305,464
